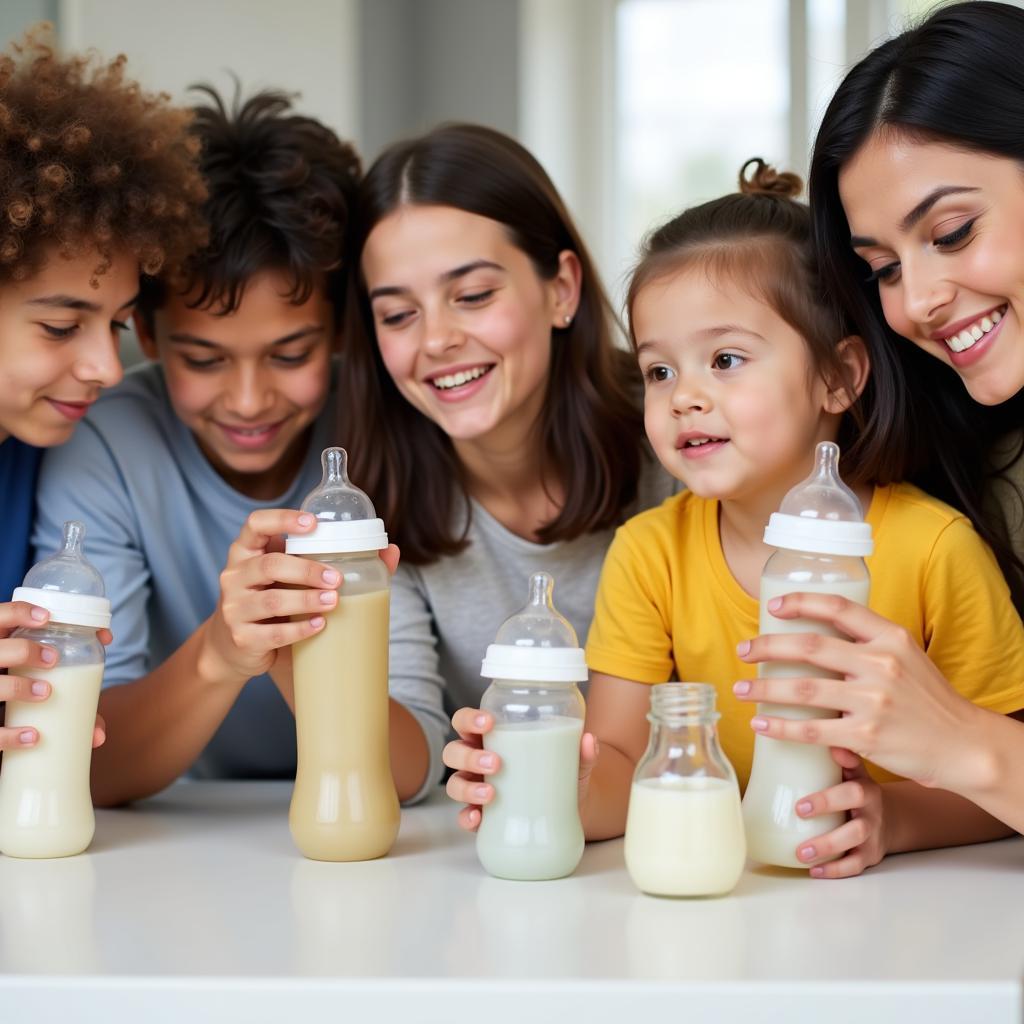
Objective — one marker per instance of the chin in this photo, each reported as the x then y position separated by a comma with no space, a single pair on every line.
993,392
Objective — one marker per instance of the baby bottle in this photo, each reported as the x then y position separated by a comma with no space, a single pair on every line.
45,802
531,829
684,829
344,805
822,541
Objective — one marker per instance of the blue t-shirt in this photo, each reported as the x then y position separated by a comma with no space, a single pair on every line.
19,467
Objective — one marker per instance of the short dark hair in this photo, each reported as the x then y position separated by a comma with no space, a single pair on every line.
281,188
90,161
591,429
956,78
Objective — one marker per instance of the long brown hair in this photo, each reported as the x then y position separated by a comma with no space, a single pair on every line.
760,237
591,426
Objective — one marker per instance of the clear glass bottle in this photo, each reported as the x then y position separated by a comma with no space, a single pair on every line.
684,829
344,806
531,830
821,540
45,801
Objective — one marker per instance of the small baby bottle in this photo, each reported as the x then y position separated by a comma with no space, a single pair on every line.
684,829
531,829
45,801
822,541
344,805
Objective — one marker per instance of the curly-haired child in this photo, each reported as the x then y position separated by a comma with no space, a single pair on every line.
98,185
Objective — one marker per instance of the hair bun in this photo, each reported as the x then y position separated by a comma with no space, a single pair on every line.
766,181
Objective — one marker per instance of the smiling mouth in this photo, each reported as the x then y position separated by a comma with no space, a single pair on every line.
456,380
699,442
971,335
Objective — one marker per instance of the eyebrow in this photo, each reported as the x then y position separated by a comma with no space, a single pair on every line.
709,333
915,215
446,278
71,302
184,338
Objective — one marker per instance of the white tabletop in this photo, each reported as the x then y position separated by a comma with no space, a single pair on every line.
196,906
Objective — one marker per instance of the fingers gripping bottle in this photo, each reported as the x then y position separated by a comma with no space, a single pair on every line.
822,541
684,828
531,830
45,802
344,805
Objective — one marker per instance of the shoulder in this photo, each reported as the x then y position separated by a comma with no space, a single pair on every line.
662,528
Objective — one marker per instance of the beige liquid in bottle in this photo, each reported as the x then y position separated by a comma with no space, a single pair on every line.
344,806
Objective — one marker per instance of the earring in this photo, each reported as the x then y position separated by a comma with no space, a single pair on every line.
567,319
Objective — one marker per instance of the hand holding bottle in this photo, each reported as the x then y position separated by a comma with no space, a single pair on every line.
24,655
468,785
858,843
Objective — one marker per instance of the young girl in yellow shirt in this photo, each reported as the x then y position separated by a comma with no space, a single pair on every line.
746,369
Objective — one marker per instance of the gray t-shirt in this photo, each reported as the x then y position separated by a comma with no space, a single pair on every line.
159,521
444,615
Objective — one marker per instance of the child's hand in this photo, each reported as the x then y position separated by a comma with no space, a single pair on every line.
26,655
857,844
471,763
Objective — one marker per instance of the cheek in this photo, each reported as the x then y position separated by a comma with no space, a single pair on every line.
398,356
190,393
306,388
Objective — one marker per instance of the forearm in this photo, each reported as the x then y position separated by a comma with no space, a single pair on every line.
604,808
920,818
410,752
158,725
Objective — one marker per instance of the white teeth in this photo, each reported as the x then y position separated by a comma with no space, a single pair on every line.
454,380
696,442
970,335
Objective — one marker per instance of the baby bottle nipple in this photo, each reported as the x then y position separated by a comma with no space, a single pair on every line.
537,643
346,519
67,584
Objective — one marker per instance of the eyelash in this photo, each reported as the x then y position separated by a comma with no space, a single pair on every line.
209,364
66,332
475,299
945,242
649,374
726,355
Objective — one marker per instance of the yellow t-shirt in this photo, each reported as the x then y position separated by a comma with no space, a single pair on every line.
668,605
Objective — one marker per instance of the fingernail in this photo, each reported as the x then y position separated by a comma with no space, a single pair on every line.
48,656
817,872
39,614
759,724
480,721
317,621
807,853
306,519
40,689
741,689
487,761
27,736
775,604
804,807
743,648
482,792
331,577
328,596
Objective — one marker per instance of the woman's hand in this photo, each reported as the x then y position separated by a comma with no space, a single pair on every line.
468,785
897,709
857,844
24,654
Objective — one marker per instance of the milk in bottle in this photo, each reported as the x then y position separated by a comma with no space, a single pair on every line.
531,829
684,828
821,540
344,806
45,801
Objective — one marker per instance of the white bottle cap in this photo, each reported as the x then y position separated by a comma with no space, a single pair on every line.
67,585
346,520
536,644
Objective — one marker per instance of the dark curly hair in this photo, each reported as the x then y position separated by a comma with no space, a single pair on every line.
281,190
90,162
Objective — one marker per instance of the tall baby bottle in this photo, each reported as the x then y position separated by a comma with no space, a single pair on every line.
684,828
344,805
822,541
45,801
531,829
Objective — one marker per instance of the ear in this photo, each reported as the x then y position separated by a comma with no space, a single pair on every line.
845,390
566,286
146,340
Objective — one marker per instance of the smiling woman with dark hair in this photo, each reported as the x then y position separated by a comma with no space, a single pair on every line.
918,203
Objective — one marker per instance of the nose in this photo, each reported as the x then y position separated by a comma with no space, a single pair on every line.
98,359
924,292
689,395
442,334
248,394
